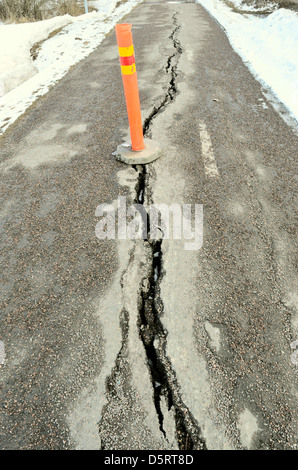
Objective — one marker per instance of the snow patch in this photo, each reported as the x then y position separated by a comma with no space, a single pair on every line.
22,79
268,45
16,41
214,335
248,426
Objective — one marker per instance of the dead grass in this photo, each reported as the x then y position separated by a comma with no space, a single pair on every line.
261,6
70,7
23,11
19,20
262,10
119,3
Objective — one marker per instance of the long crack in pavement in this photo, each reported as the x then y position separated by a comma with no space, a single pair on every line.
150,308
171,69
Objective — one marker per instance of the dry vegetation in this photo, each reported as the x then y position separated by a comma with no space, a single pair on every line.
20,11
35,10
261,6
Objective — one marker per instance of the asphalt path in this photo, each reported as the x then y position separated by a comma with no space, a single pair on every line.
137,344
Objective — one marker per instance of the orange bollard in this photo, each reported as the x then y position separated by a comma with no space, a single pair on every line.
130,83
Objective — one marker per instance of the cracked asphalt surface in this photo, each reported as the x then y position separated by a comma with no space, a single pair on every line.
134,344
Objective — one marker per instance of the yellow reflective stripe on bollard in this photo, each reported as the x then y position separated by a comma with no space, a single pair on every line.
126,51
128,69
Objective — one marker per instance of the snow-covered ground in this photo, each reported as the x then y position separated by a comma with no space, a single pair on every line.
23,80
268,45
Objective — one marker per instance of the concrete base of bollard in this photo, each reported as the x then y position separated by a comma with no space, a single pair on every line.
151,152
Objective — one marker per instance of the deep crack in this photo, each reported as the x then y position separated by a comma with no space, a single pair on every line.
151,329
152,332
166,390
163,377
